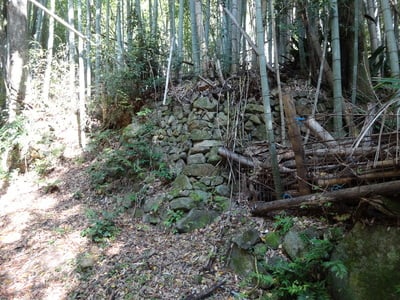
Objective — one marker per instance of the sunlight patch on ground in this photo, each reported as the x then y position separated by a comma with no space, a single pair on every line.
16,223
39,240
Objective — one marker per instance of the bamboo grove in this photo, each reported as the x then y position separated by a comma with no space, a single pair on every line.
124,49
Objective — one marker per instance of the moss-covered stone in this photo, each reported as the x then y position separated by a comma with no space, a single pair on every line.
196,218
182,203
372,258
241,261
247,239
205,103
182,182
272,240
197,135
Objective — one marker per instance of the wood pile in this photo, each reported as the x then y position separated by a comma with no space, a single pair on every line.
326,169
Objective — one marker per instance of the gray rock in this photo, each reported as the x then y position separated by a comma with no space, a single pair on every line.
132,130
199,170
249,125
200,195
198,135
293,244
212,156
204,146
151,219
372,258
255,119
212,180
182,182
152,204
209,116
183,203
197,158
254,108
195,219
222,203
241,261
171,120
259,133
198,124
179,166
223,190
205,103
222,119
247,239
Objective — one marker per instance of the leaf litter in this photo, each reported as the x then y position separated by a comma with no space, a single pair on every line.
44,256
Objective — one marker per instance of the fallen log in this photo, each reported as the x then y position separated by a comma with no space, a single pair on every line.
262,208
243,160
329,181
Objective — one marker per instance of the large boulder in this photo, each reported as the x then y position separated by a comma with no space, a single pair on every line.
372,258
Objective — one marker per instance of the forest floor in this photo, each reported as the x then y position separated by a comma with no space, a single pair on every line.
44,256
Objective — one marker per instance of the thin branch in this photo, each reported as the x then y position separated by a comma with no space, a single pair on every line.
57,18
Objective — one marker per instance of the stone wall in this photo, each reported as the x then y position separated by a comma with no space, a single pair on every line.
189,134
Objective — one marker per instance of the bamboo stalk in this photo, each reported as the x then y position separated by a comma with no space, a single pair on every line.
321,133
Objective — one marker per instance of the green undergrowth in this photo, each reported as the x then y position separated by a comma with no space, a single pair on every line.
132,158
124,163
303,277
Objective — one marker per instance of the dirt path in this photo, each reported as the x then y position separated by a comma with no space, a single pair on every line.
44,256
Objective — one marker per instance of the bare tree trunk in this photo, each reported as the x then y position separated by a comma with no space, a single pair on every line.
336,67
81,117
390,38
98,49
50,42
16,57
266,100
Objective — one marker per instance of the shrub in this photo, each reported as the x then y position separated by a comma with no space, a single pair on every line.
102,226
132,158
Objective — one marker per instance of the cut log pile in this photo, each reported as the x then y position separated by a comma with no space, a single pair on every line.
327,169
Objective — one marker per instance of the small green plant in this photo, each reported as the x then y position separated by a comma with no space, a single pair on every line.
304,277
173,216
102,226
283,223
143,112
398,289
